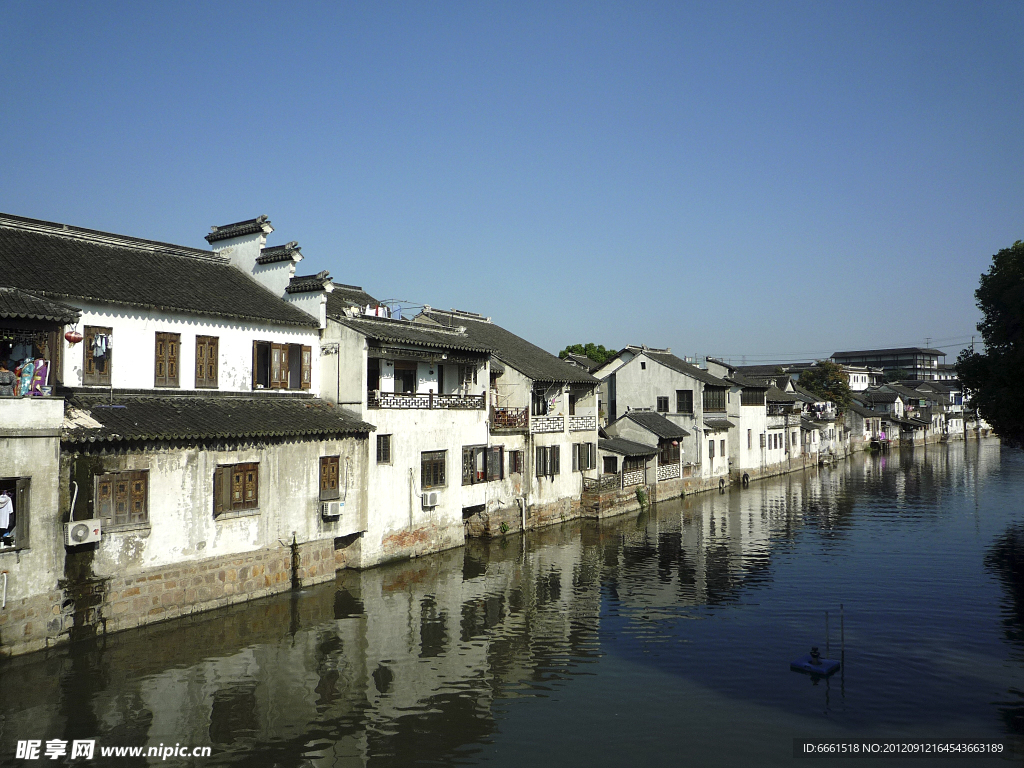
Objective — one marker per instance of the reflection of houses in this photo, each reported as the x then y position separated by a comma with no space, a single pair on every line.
191,439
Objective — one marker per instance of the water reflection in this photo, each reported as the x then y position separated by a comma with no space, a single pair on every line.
416,663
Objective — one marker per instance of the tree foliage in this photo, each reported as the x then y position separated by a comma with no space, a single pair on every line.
993,377
595,352
827,380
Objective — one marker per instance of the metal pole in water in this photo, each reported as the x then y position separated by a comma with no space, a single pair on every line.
827,654
842,632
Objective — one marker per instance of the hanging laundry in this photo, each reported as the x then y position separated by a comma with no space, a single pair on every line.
39,376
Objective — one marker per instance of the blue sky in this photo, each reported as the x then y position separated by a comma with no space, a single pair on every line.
751,180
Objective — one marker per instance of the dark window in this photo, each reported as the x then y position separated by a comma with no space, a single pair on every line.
14,504
711,449
584,456
721,447
98,355
752,396
750,439
473,469
166,369
714,399
668,452
684,401
547,461
515,462
281,366
634,463
405,378
122,498
762,439
611,465
236,487
496,463
643,366
383,449
329,487
207,360
538,403
572,404
662,405
432,469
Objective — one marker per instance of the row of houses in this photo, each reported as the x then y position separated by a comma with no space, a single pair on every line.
184,428
189,428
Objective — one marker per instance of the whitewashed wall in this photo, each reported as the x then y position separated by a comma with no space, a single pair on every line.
134,346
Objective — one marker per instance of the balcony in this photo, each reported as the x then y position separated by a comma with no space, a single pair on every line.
583,423
426,400
510,419
777,421
31,416
539,424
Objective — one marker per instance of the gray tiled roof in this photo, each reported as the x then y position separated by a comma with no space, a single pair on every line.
718,424
748,383
657,424
345,296
860,410
625,447
276,253
22,304
583,362
181,417
416,334
886,352
72,263
247,227
776,395
516,352
681,366
306,283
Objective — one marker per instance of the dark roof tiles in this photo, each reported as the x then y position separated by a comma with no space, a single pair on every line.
656,424
22,304
527,358
46,259
415,334
179,417
239,228
625,447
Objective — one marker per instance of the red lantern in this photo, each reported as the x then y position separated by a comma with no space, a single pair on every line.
73,337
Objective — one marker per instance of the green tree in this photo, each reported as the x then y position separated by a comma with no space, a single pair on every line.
993,377
595,352
897,374
827,380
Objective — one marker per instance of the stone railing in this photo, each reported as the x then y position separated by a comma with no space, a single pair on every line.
608,482
510,418
582,423
776,422
668,471
633,477
547,424
408,400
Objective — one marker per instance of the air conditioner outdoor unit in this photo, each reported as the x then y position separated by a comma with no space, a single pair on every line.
81,532
431,499
331,508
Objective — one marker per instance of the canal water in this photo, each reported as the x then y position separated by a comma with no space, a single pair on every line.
660,638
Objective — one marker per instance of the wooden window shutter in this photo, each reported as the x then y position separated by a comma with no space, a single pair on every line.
555,468
221,500
160,374
138,497
173,341
495,460
307,367
90,361
212,360
237,486
575,457
103,506
539,457
252,482
255,361
278,366
200,362
122,500
21,501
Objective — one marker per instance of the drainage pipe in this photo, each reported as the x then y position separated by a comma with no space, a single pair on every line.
4,607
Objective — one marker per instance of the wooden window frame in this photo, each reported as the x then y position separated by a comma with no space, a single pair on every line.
383,449
661,404
713,399
548,461
207,362
236,488
711,449
90,375
278,370
167,360
330,474
21,490
432,469
474,466
121,499
516,464
668,453
684,401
